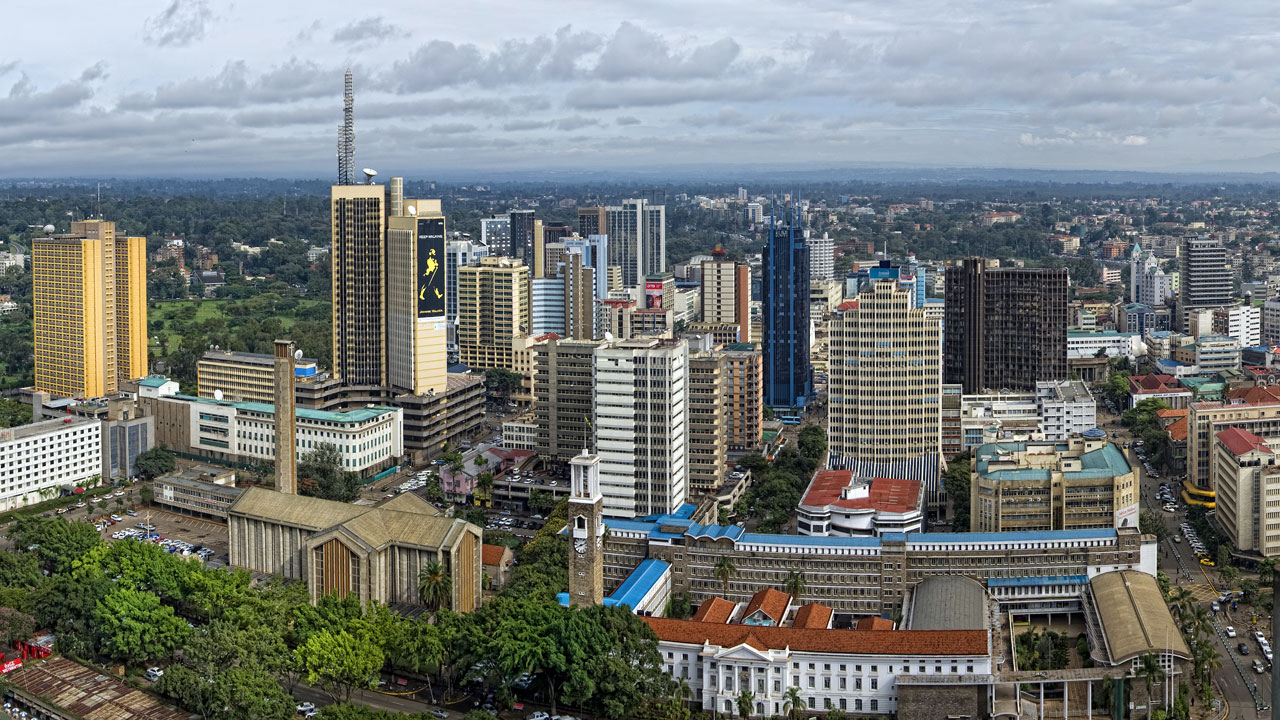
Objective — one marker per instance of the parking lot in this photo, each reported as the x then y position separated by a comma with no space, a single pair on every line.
195,531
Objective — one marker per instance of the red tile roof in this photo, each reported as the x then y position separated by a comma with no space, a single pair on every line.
869,642
1178,429
813,615
769,601
715,610
847,305
875,623
887,494
1240,441
1172,412
1255,394
491,554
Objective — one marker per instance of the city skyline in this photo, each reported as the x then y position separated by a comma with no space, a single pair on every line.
208,90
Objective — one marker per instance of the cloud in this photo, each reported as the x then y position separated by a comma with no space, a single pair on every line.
96,71
442,63
1030,140
181,23
636,53
625,120
369,29
234,86
523,125
577,122
1134,140
451,128
8,67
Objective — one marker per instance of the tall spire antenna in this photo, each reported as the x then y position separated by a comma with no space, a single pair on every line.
347,134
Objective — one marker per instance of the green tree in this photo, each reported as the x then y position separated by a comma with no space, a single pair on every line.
338,662
155,462
812,442
502,383
321,474
1151,523
745,703
56,542
435,587
136,627
541,501
1224,556
1151,672
475,516
793,704
15,625
1229,575
794,585
678,607
956,482
1266,571
13,413
146,495
724,571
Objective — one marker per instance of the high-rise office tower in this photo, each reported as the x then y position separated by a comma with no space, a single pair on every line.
885,383
744,398
552,232
637,233
358,258
563,387
493,313
726,293
89,292
788,380
1004,328
641,425
495,232
1205,281
821,259
523,233
417,360
708,448
457,254
579,285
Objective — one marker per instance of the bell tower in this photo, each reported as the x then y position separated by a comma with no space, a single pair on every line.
586,531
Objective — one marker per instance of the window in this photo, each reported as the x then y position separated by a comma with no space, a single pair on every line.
812,703
875,705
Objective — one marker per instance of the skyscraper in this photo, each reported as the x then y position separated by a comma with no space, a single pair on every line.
493,313
637,233
1005,328
726,293
89,293
1205,281
788,380
885,385
416,303
523,233
358,258
641,425
495,232
563,387
457,254
821,259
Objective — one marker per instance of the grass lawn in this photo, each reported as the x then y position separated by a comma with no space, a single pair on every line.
206,309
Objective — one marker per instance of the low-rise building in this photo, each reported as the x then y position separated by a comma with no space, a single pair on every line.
244,376
1083,483
497,561
373,552
1158,387
203,491
838,504
40,459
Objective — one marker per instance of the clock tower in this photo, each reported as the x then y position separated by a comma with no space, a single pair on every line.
586,532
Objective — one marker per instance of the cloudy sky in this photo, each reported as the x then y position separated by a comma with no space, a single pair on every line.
207,88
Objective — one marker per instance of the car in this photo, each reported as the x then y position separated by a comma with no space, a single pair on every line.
305,707
1244,649
1215,607
438,713
1258,636
153,674
1258,667
1207,562
1230,631
539,715
1266,653
131,513
115,517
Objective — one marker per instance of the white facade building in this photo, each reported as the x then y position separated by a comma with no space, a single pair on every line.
821,259
641,425
47,455
460,253
367,438
547,306
495,233
1066,407
1242,322
1271,322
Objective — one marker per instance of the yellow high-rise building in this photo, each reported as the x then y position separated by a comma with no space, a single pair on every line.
89,289
417,361
358,259
493,315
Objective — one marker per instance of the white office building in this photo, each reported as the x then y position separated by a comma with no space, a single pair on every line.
495,232
1242,322
37,460
1271,322
460,253
1066,407
548,306
641,425
822,266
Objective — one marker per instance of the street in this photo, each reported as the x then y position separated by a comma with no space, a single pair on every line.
1236,681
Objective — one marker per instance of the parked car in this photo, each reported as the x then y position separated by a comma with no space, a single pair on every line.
1230,631
305,707
154,674
1244,649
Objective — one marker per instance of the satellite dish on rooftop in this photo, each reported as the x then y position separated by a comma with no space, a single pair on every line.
370,174
297,354
217,394
49,228
413,210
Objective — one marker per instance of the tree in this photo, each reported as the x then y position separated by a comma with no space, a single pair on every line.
792,704
339,662
1229,574
794,585
956,482
321,474
502,383
541,501
745,702
13,413
812,442
475,516
136,627
678,607
725,570
435,587
15,625
57,542
1224,556
1150,523
1266,571
146,495
155,462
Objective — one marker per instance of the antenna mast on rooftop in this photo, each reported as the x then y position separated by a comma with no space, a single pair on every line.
347,134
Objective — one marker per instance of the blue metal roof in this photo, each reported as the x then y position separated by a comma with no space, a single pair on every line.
810,540
733,532
639,583
1046,580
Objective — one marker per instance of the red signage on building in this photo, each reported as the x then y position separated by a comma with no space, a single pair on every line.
10,666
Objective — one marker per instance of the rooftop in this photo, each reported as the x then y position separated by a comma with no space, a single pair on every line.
88,693
638,584
948,602
864,642
358,415
248,358
814,615
492,554
1240,441
44,426
828,488
773,603
715,610
1134,617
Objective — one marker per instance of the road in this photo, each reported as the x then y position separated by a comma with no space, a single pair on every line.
1236,680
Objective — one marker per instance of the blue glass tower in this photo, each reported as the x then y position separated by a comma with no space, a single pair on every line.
788,377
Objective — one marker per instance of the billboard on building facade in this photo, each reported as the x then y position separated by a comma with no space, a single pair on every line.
653,295
430,267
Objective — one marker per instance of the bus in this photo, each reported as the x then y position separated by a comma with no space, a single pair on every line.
789,419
